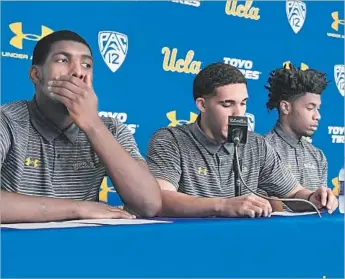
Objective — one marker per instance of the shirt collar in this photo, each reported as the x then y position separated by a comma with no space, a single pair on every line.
210,144
46,128
291,140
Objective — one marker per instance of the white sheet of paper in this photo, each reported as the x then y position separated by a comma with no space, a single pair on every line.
48,225
118,221
286,213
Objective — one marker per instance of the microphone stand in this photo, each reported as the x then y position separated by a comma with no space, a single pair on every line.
238,190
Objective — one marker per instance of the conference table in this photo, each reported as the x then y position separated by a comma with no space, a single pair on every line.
276,247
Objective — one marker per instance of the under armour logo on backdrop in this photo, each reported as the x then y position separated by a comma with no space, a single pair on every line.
175,122
17,29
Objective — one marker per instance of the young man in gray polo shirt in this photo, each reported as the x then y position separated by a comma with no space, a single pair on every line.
296,94
193,163
55,149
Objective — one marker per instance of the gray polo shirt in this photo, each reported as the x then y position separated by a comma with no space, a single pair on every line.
306,162
196,165
39,159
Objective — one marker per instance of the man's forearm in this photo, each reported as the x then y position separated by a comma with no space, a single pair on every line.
134,182
304,194
181,205
17,208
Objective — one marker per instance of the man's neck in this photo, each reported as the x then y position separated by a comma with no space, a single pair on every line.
205,128
55,113
287,129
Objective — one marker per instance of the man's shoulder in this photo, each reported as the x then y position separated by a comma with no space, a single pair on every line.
257,142
313,149
119,130
107,120
274,139
113,124
270,135
15,111
255,138
177,133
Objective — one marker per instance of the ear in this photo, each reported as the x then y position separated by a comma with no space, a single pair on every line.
201,104
285,107
35,74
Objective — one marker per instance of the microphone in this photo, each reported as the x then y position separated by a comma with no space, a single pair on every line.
237,133
237,129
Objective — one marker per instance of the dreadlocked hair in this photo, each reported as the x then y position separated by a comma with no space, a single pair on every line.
289,83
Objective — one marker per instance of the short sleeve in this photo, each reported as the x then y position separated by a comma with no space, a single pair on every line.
163,157
124,137
274,177
5,138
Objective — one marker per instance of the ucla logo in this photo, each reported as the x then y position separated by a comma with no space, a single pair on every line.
287,65
339,78
240,10
296,12
251,121
32,162
174,122
19,36
83,165
186,65
113,47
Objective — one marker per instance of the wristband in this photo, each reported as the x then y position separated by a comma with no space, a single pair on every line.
310,196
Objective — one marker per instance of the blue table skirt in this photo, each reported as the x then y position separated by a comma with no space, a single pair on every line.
276,247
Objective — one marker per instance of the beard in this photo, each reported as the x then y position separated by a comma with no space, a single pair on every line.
60,107
307,133
52,102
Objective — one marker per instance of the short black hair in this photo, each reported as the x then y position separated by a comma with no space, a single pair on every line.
289,83
213,76
43,46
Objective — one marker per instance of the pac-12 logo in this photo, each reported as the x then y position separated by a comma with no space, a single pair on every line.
113,47
251,121
296,12
339,78
194,3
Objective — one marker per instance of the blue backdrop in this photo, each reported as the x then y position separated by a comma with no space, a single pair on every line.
147,54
